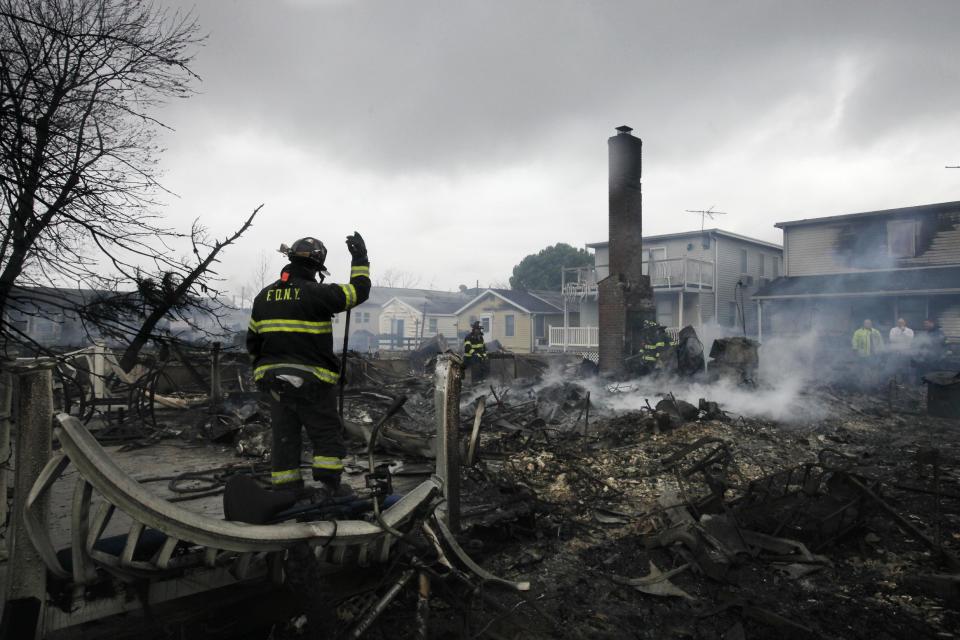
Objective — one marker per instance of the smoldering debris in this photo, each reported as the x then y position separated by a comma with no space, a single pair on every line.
674,505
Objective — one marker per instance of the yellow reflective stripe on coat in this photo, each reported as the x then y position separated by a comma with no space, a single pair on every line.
350,293
283,477
326,462
359,271
325,375
291,326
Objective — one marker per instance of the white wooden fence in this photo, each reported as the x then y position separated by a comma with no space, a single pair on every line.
574,337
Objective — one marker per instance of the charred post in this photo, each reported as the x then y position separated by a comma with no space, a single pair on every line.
26,574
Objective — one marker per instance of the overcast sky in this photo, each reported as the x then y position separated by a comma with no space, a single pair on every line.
458,137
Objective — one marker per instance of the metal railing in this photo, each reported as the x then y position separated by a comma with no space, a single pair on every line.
581,289
574,336
680,272
579,282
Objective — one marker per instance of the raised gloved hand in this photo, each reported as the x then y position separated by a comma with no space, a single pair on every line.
357,247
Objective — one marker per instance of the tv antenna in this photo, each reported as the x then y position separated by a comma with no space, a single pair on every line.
952,166
706,213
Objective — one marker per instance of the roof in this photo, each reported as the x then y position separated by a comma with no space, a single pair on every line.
381,295
923,209
526,301
694,234
894,282
23,298
438,303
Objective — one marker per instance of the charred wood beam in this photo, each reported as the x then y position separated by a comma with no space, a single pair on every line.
448,379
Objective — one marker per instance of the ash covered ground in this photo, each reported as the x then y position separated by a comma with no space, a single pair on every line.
664,508
661,507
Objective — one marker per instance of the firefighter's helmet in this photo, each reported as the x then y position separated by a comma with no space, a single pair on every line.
309,251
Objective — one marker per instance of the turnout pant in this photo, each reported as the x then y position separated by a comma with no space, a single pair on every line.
313,408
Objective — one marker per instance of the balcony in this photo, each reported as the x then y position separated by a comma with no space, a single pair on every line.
579,283
680,273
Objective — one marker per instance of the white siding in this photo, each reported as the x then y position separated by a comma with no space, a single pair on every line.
398,311
812,247
947,316
729,272
812,250
601,261
943,250
446,326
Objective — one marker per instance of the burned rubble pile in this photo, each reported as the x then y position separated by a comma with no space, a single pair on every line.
681,521
645,510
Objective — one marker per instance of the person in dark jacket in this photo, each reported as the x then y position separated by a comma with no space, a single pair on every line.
475,353
929,348
290,342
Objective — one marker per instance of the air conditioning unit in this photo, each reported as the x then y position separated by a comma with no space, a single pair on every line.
746,280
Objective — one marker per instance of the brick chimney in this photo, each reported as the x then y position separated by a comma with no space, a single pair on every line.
625,296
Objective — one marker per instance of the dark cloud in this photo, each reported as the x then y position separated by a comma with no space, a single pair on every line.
420,85
431,111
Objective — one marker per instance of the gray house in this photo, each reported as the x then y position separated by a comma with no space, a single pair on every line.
881,265
698,278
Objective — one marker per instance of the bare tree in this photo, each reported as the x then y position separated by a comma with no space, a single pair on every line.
398,278
263,271
78,175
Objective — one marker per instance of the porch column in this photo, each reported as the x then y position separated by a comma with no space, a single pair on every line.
759,320
680,323
566,324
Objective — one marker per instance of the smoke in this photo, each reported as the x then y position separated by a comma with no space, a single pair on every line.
785,402
790,369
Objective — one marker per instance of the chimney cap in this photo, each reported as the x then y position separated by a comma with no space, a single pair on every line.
624,130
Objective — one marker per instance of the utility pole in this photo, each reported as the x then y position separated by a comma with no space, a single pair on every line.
706,213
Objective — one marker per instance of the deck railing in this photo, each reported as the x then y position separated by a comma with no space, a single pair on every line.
574,337
680,272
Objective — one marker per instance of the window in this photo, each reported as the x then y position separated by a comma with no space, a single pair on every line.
902,238
365,317
665,312
743,260
657,253
485,323
776,266
763,265
508,326
432,325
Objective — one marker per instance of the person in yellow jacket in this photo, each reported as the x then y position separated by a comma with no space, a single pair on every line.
867,341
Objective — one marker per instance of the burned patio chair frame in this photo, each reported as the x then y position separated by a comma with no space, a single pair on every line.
216,543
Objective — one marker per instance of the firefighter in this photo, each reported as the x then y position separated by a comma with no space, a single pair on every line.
475,353
290,341
654,342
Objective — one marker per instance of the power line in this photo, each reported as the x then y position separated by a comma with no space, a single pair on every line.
706,213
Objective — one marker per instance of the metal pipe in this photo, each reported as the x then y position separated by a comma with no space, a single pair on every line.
475,434
343,365
423,606
397,404
374,612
